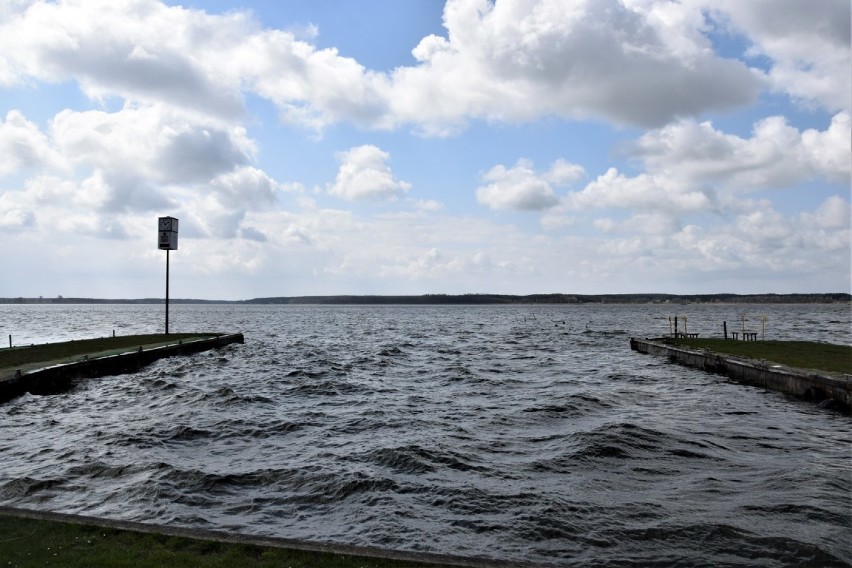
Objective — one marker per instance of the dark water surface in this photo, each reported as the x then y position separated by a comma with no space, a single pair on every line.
528,433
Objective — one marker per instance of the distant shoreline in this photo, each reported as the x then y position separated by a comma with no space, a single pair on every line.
477,299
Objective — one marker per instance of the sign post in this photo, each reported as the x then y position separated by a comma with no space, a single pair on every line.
167,231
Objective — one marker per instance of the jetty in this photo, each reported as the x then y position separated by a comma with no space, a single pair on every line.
833,389
55,367
34,537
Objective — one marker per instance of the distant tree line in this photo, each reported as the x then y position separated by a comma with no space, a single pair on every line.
560,299
472,299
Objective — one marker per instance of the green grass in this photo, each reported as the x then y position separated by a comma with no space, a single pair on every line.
30,354
30,542
801,354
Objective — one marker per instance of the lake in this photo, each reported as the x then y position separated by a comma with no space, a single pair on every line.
524,432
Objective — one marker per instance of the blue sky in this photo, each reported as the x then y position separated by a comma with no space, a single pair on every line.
384,147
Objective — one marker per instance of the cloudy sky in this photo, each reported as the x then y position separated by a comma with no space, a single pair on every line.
388,147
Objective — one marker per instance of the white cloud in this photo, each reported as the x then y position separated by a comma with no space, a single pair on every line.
511,60
515,60
654,223
428,205
151,141
834,213
13,218
636,62
692,168
246,187
24,147
139,49
521,187
777,155
808,43
364,174
562,172
644,192
142,159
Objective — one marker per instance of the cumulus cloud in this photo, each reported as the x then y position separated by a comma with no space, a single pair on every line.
151,141
521,187
24,147
807,42
654,223
15,219
364,174
629,62
692,168
142,159
644,192
246,187
777,155
834,213
138,49
516,60
146,51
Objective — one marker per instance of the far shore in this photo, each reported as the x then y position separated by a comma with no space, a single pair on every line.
477,299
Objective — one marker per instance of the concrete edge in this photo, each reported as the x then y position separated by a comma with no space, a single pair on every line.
265,541
59,378
788,380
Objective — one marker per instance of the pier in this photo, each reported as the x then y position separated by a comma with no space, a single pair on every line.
52,376
810,384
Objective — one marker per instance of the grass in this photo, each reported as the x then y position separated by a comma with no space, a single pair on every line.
27,355
31,542
800,354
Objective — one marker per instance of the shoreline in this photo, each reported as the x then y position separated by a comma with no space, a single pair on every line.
477,299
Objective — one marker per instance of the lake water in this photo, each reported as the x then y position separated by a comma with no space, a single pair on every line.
524,433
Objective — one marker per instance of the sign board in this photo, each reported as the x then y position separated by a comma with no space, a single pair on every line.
167,229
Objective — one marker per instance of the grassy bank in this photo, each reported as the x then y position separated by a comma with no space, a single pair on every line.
31,542
30,354
800,354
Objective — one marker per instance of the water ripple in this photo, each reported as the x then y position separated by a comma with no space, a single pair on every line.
525,433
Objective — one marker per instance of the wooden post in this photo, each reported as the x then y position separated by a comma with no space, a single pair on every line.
725,328
10,340
675,332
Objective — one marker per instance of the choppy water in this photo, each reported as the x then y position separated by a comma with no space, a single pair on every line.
527,433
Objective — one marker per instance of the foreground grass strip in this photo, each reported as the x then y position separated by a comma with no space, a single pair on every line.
800,354
29,354
37,542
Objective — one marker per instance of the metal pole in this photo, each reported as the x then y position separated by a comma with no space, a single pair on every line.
167,291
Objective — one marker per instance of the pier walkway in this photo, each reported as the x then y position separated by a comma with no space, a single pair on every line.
811,384
53,368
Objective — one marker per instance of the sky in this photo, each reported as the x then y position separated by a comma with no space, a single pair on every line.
318,147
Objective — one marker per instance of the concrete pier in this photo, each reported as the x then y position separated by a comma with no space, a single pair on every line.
54,379
810,384
353,555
